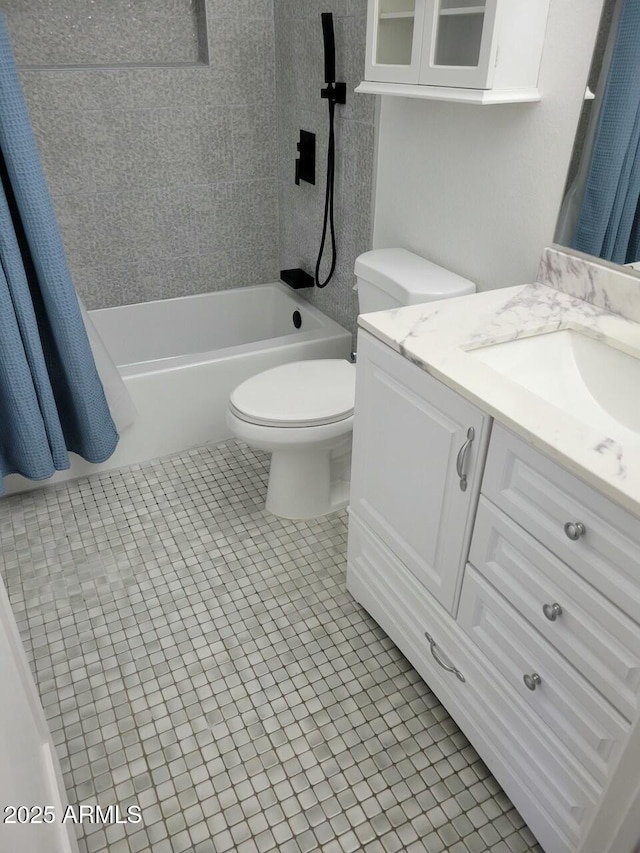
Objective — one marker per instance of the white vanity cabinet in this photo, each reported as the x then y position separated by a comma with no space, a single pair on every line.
417,459
427,48
518,600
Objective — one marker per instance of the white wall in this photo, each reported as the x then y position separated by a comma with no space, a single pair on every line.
478,189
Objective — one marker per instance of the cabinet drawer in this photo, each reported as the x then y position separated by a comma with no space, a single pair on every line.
549,787
593,634
543,497
571,708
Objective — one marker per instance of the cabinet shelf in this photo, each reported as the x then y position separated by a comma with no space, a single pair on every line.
463,10
481,97
395,16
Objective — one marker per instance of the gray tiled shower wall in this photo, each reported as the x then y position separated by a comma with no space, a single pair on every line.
164,178
172,180
299,75
54,33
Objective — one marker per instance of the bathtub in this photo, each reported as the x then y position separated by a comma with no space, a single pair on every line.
181,358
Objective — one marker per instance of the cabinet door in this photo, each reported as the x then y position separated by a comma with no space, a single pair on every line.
460,43
394,40
409,435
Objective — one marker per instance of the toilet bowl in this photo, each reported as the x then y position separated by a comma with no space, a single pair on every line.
301,413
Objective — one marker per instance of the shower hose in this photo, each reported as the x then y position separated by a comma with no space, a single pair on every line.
328,223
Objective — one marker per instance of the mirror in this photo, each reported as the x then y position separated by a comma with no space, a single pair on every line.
600,212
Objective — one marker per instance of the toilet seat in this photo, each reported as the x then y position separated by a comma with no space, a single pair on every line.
297,395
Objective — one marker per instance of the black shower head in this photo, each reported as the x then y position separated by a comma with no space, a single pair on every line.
329,47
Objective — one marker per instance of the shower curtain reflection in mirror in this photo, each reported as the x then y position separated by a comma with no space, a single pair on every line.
600,214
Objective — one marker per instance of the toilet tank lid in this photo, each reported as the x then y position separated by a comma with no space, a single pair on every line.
407,276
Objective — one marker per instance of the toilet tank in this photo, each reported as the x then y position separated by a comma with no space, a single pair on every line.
390,278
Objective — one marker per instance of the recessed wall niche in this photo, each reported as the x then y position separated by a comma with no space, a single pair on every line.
106,33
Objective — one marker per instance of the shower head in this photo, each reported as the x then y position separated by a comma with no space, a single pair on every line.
329,47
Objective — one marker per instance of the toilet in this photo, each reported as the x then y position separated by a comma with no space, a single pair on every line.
302,412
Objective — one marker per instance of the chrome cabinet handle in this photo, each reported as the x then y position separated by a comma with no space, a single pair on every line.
532,681
574,530
552,611
440,661
462,458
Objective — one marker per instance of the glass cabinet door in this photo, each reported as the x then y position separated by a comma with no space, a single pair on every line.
458,45
393,51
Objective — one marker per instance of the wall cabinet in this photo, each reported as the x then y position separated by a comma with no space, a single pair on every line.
430,48
517,599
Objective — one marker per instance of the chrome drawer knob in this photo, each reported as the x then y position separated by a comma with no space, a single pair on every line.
552,611
532,681
574,530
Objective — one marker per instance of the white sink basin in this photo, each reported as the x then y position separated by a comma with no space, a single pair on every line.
585,377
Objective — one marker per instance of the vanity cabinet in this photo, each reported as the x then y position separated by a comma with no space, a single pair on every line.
417,459
491,48
518,599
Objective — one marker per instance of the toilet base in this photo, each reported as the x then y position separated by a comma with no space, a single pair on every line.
308,483
310,466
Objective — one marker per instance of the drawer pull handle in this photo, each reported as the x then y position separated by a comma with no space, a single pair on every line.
462,458
532,681
552,611
574,530
440,660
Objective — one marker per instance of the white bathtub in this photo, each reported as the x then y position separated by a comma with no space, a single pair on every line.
181,358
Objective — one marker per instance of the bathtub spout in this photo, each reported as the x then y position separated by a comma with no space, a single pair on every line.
296,278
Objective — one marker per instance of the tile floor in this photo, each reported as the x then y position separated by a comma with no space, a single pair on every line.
202,659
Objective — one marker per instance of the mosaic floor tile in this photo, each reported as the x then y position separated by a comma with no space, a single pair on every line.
202,659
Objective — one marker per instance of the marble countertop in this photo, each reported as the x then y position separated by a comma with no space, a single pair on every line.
437,336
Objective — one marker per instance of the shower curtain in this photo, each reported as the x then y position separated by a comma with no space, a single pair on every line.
51,397
609,220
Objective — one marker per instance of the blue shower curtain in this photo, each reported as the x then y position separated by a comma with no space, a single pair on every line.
609,220
51,397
